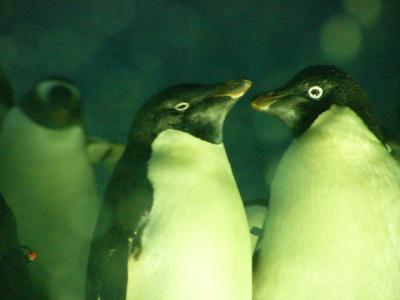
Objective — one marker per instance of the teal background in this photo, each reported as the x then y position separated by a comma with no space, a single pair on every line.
120,52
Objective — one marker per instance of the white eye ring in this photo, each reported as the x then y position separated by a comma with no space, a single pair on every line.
315,92
43,89
182,106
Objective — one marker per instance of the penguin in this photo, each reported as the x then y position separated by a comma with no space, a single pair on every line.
333,225
49,183
6,96
15,281
172,223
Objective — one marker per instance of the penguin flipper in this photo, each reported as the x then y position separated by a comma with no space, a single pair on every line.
104,152
107,271
118,232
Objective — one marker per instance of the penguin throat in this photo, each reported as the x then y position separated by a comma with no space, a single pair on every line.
55,119
341,117
177,138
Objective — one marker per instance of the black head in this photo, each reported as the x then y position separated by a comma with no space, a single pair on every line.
311,92
194,108
54,103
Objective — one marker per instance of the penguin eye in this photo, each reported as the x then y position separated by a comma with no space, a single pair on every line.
49,87
182,106
315,92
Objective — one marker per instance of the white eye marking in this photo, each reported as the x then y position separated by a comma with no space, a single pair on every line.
182,106
315,92
44,88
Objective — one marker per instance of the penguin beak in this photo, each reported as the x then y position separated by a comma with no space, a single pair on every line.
233,89
264,101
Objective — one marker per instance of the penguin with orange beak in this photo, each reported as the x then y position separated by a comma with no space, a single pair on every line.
333,226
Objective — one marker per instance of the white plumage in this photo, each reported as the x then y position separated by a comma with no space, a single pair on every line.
50,186
333,228
196,245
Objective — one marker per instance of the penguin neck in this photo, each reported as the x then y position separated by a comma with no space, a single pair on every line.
144,146
48,118
338,141
179,137
343,127
138,150
32,136
357,100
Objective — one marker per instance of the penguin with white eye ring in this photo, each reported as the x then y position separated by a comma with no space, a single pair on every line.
333,224
49,184
172,225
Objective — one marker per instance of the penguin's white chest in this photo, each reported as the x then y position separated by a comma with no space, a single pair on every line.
196,244
45,169
333,229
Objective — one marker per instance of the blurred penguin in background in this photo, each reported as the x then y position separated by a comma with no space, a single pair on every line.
172,225
6,96
333,226
48,181
15,281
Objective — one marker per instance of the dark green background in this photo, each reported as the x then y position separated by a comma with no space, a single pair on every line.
120,52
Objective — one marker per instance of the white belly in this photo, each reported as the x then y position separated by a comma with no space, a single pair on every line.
333,228
48,182
196,245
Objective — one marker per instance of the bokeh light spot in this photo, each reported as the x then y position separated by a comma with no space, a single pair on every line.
365,11
341,38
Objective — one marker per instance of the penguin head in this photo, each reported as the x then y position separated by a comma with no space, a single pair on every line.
311,92
197,109
53,103
6,95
